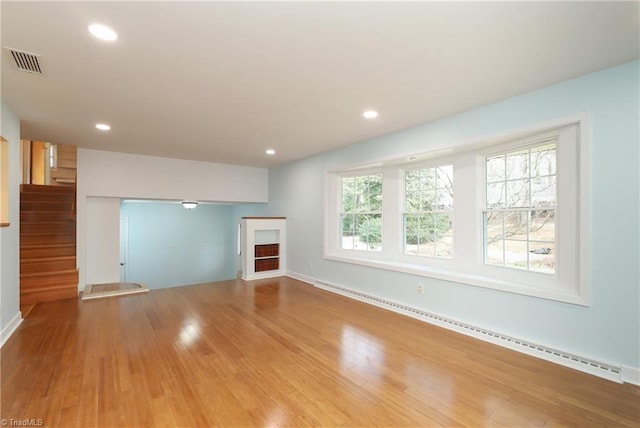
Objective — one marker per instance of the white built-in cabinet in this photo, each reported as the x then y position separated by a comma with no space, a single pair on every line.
262,247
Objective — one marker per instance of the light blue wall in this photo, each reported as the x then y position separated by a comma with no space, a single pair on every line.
170,246
10,236
608,330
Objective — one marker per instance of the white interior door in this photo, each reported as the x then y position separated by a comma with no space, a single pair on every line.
124,247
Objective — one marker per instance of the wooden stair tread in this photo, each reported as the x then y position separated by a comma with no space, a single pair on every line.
47,259
48,288
53,273
36,188
30,246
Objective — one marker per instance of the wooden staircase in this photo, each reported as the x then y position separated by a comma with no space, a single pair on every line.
47,244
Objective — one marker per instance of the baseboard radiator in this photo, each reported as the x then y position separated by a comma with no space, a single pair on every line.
586,365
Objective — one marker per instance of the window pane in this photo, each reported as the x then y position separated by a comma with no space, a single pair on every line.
516,254
428,199
542,257
412,180
542,226
427,178
370,231
518,193
493,226
518,164
348,191
442,225
444,247
411,234
444,176
543,160
426,229
516,225
495,169
496,195
494,253
360,202
445,199
348,234
374,192
427,250
543,191
412,201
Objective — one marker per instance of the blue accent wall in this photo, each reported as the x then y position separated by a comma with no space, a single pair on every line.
171,246
609,329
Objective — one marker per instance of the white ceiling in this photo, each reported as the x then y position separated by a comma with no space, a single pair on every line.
222,82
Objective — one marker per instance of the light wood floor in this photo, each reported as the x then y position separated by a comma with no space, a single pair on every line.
280,353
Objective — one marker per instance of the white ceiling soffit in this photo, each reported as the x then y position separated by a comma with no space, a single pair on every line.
223,81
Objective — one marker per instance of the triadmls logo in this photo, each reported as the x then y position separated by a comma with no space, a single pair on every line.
26,422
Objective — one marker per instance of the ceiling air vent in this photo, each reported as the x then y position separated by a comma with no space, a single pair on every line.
26,61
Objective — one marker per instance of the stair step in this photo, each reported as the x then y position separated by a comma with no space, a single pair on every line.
45,206
46,197
47,264
47,250
45,216
47,227
47,244
36,295
39,188
47,239
31,281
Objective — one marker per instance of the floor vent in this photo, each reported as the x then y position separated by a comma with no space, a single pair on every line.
596,368
26,61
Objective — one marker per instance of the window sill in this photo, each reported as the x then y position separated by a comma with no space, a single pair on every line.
566,296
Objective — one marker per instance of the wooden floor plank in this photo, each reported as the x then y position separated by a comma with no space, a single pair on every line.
280,353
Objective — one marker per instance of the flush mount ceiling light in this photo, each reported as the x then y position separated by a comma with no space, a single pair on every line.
370,114
103,32
103,126
270,152
189,204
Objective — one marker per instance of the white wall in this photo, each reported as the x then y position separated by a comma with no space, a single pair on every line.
121,175
10,316
102,251
125,176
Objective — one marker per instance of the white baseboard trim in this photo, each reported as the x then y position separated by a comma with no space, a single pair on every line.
10,328
583,364
301,277
631,375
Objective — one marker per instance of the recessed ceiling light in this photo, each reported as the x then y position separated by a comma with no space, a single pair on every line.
103,126
270,152
370,114
103,32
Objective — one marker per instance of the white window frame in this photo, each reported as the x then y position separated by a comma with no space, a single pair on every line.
569,284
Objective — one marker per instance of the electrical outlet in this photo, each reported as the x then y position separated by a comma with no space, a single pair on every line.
310,264
420,288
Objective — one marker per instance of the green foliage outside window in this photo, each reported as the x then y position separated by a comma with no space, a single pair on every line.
362,209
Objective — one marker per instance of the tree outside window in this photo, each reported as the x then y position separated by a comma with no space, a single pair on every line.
428,215
519,219
361,212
